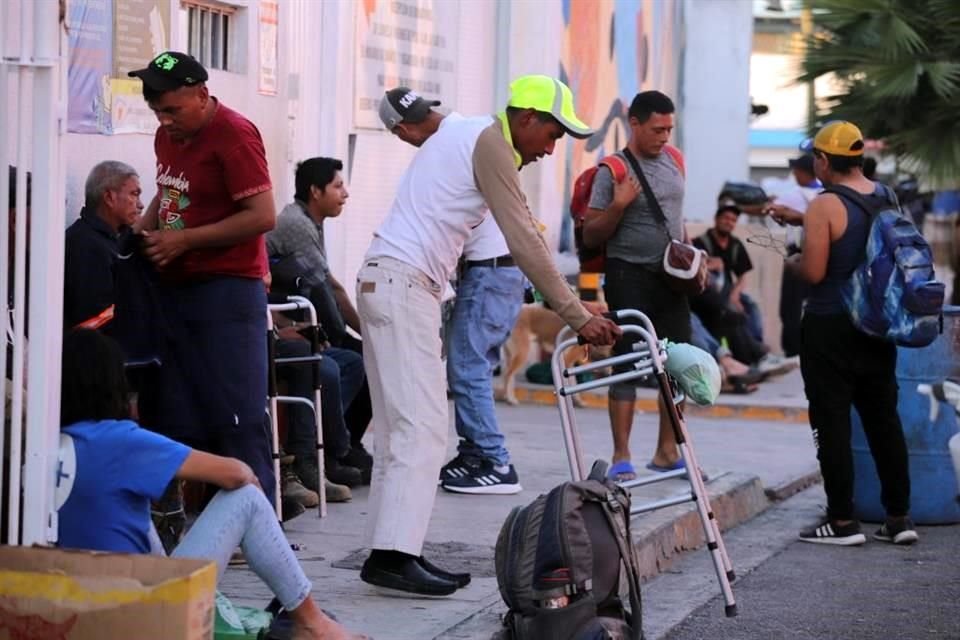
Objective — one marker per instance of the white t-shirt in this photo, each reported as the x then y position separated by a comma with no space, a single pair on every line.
485,242
437,203
798,199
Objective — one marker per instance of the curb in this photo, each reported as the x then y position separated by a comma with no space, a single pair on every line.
663,535
545,396
793,487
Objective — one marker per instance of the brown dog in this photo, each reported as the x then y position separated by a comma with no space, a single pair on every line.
537,322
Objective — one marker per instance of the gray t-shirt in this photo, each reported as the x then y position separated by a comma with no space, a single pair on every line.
640,238
297,234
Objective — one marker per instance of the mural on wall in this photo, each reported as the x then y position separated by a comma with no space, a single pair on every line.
612,49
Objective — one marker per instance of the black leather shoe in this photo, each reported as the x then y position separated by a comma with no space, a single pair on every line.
459,579
407,576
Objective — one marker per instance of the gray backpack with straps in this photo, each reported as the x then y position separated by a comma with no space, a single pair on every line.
560,560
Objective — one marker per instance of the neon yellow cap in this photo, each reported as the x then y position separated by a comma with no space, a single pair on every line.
837,138
548,95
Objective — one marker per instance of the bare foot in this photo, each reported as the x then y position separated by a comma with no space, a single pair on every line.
733,367
311,623
326,629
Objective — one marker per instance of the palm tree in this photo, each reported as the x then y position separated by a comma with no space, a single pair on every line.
898,65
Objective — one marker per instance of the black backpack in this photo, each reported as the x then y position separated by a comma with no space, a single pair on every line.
559,563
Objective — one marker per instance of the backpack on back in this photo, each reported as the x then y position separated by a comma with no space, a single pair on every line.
593,260
893,294
559,562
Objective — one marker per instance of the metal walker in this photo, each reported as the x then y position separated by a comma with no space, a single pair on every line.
295,303
647,358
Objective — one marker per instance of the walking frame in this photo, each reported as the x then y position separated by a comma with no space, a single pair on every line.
647,358
295,303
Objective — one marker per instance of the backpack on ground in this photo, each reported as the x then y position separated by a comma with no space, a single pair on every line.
893,293
593,260
560,560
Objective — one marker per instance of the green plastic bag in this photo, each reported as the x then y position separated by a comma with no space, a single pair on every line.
695,370
239,623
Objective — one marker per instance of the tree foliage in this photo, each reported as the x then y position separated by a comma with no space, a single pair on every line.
898,65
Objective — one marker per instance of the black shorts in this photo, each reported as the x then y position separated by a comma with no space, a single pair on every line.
644,288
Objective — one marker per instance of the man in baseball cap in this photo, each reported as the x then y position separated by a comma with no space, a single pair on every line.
403,104
409,116
550,96
836,138
843,367
169,71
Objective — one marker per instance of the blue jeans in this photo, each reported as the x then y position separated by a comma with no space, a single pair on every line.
341,376
754,320
488,302
701,338
246,518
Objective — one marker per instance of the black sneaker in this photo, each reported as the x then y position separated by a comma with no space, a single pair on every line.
459,467
898,531
828,533
484,479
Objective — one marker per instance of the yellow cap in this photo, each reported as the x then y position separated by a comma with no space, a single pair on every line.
548,95
837,138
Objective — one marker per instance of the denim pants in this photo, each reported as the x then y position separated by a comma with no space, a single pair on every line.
341,376
246,518
399,309
487,305
701,338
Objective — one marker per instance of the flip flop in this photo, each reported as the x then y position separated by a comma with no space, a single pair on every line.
679,464
738,387
622,471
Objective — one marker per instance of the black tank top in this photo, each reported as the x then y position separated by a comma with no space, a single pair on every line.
846,253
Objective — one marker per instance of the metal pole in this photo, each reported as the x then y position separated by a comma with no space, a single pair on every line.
46,239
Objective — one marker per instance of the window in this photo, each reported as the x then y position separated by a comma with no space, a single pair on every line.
208,31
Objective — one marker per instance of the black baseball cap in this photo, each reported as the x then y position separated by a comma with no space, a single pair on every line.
171,70
404,105
726,204
804,162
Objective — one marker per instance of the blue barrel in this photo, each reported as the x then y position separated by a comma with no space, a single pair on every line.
933,481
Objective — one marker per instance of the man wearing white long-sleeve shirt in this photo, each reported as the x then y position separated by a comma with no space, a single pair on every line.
467,168
490,291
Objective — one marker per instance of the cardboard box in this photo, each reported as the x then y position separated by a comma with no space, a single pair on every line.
55,594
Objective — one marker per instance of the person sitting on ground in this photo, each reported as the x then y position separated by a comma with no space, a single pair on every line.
729,264
737,377
120,467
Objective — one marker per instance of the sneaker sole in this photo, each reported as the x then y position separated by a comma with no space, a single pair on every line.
496,490
903,538
846,541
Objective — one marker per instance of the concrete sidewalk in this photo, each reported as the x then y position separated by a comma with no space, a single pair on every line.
746,459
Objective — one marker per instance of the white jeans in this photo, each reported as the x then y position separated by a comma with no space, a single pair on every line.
399,309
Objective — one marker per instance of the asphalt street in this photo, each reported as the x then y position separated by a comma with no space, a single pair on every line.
875,591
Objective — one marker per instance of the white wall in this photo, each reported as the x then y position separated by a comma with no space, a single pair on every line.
235,90
716,99
376,160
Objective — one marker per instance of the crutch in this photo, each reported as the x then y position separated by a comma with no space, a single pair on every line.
297,303
647,358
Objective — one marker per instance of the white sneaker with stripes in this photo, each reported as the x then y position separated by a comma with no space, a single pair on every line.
483,478
846,535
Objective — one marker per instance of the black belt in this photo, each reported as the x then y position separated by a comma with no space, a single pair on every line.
499,261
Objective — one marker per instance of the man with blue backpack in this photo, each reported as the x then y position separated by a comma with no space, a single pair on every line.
872,289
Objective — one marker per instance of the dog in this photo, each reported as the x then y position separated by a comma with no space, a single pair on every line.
537,322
